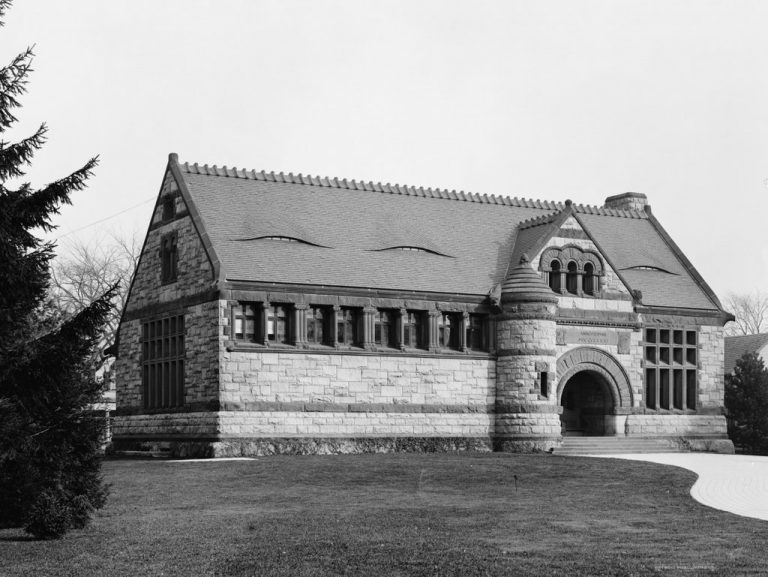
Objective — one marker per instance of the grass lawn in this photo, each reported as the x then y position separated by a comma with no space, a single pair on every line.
401,514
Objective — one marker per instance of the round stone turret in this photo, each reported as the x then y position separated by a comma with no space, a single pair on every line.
523,284
527,413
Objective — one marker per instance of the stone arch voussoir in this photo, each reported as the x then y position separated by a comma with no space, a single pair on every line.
600,362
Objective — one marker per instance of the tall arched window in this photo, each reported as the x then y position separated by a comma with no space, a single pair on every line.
554,275
589,279
571,282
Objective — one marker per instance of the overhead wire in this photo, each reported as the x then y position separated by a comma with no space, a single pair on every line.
150,199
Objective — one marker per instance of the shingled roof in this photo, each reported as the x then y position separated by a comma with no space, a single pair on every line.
300,229
735,347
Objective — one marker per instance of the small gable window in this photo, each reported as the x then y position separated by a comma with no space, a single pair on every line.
554,276
582,275
168,258
169,208
571,278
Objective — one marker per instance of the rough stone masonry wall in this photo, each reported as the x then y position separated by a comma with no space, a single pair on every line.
300,394
200,371
630,357
610,281
151,299
711,367
195,274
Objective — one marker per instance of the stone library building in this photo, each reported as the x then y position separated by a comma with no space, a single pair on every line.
286,313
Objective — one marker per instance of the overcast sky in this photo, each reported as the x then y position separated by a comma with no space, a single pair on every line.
549,100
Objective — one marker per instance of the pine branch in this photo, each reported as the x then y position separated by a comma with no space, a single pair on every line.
13,83
13,157
34,210
4,5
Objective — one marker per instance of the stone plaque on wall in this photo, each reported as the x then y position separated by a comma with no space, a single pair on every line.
624,342
593,336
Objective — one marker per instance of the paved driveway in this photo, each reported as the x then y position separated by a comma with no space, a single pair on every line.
734,483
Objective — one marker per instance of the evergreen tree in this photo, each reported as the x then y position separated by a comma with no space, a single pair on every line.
50,440
746,404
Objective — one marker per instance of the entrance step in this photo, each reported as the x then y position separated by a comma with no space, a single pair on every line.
613,445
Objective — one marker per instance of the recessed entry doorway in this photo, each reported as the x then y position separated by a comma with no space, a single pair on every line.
588,407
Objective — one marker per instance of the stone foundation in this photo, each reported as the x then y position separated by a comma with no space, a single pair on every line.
259,447
712,426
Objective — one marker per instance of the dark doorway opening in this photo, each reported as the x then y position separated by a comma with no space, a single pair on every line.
587,405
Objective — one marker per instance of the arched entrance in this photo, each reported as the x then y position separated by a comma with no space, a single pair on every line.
594,390
587,405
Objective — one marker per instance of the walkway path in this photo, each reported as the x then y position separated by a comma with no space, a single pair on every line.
734,483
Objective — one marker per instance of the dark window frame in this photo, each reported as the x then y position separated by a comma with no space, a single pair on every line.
318,332
671,368
415,329
384,328
169,258
572,278
281,331
169,208
248,317
348,320
452,328
163,351
477,329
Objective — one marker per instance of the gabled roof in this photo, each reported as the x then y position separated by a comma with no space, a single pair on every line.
300,229
735,347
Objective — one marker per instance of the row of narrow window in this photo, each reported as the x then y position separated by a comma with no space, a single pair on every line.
286,324
671,358
162,376
572,280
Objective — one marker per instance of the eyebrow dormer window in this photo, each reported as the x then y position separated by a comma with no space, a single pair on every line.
281,238
412,248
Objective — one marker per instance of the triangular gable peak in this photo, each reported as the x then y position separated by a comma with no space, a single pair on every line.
176,226
573,264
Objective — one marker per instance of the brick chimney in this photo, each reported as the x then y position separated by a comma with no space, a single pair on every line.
627,201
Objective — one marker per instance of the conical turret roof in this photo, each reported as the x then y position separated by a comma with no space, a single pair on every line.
523,284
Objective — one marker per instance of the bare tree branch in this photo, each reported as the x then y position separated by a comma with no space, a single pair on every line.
83,272
751,311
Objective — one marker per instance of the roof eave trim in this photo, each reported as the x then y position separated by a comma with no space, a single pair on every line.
690,269
116,344
547,233
197,221
606,257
